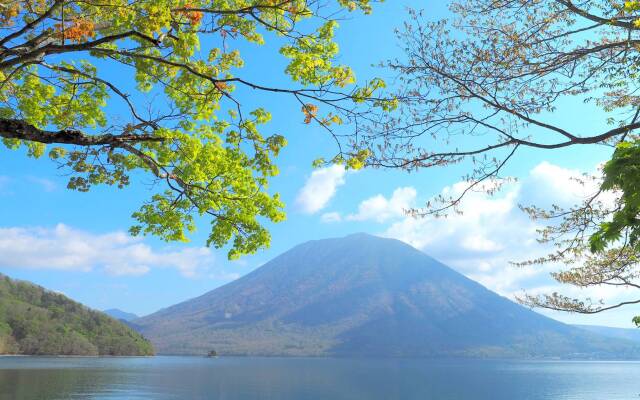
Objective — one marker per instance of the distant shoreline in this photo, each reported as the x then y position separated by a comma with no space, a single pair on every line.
327,358
68,356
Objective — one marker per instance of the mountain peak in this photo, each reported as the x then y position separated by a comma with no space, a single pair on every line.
360,295
362,236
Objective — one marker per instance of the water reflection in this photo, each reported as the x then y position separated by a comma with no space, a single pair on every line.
165,378
51,383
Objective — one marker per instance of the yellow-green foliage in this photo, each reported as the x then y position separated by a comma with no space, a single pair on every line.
209,157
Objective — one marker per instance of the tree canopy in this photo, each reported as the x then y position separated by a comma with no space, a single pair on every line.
36,321
487,83
184,123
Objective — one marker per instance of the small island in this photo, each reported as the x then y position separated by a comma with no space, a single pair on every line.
212,354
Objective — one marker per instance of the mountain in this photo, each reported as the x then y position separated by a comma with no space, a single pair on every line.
120,315
365,296
36,321
616,333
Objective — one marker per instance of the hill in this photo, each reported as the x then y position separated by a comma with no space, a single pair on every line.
632,334
120,315
365,296
36,321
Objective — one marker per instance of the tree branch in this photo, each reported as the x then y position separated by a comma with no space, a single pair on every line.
22,130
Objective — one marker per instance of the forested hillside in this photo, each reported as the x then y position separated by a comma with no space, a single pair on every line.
36,321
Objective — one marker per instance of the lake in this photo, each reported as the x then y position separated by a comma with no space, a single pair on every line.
163,378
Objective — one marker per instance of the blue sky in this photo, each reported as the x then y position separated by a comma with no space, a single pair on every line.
76,243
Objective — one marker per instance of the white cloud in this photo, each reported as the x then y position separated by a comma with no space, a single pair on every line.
126,269
68,249
331,217
490,233
380,209
46,184
486,225
320,187
225,276
548,183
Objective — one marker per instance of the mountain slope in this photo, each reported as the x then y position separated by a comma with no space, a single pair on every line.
632,334
120,315
364,295
36,321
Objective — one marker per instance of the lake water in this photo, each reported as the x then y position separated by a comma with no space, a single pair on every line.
163,378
